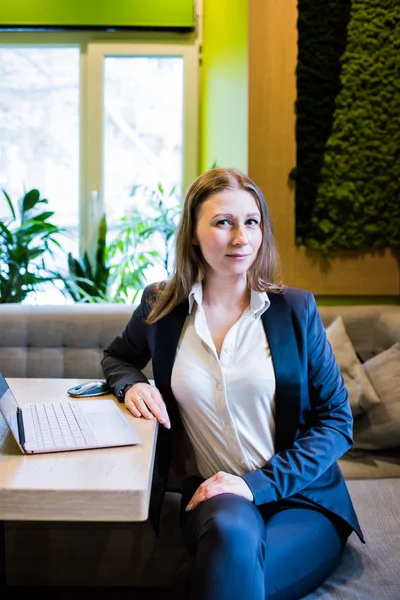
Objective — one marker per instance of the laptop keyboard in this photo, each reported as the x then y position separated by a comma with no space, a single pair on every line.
60,426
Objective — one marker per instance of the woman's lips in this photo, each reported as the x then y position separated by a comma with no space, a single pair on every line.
237,256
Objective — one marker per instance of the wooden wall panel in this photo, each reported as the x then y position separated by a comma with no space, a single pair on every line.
272,155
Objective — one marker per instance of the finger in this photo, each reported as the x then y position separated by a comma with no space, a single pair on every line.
141,405
201,495
198,499
194,499
153,405
137,404
132,408
158,399
157,406
220,483
130,401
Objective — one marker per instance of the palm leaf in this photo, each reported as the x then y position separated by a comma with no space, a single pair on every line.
30,200
10,204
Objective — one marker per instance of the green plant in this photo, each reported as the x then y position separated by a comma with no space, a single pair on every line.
87,283
118,274
27,239
138,241
160,219
128,261
143,239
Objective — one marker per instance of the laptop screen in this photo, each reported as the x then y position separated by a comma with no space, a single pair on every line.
8,406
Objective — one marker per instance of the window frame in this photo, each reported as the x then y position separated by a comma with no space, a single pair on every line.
93,46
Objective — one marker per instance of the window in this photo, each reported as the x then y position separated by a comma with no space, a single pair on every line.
85,121
143,125
39,126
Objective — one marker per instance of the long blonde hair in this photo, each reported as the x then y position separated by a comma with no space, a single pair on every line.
189,263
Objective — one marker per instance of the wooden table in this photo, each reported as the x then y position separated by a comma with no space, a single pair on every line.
111,484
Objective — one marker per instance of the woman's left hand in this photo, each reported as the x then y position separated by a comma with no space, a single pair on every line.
220,483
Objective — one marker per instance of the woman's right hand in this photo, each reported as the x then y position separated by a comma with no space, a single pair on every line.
144,400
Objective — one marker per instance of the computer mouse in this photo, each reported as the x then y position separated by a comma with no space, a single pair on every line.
89,388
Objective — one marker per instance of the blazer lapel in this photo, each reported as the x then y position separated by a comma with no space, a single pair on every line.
169,329
281,337
174,444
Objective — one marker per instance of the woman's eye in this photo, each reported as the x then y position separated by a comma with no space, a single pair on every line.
251,222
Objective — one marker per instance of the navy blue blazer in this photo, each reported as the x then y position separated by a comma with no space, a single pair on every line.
313,420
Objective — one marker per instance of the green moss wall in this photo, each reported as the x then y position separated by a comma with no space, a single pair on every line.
348,133
322,32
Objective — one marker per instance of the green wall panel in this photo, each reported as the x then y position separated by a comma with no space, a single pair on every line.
224,98
98,13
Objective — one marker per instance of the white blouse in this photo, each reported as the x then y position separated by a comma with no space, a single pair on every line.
227,404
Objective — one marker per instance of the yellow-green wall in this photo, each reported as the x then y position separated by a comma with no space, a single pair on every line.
224,84
154,13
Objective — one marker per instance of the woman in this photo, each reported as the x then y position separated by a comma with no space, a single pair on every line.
243,363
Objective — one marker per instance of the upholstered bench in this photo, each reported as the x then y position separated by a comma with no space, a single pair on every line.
68,341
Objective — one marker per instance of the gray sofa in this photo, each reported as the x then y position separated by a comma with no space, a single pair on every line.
68,341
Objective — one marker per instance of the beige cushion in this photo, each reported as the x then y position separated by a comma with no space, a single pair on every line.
362,395
380,427
370,464
387,331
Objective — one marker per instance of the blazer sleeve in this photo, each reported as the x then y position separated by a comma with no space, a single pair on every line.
129,352
326,436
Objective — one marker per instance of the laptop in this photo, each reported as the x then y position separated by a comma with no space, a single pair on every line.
63,426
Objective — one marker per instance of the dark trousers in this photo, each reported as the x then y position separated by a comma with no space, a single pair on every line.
278,551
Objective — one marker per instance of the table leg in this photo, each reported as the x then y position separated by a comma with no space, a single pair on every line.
3,581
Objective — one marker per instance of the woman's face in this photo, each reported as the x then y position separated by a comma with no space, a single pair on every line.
229,232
